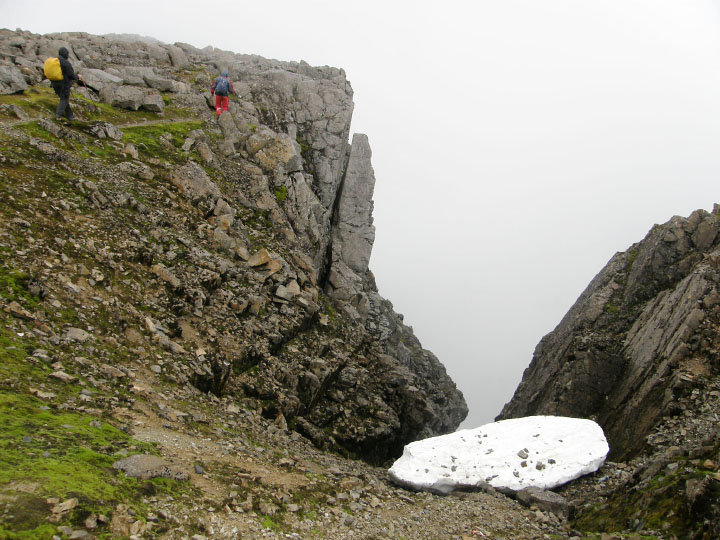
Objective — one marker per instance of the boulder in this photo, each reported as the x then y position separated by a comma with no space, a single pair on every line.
103,130
259,258
262,137
193,182
178,58
76,335
19,112
153,102
512,455
228,128
159,83
289,291
50,47
97,79
125,97
135,75
157,52
11,80
222,208
281,151
161,271
547,501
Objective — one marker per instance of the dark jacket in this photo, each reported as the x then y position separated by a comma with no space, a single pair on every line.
67,70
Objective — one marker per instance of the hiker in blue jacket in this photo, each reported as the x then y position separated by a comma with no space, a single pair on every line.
222,87
62,88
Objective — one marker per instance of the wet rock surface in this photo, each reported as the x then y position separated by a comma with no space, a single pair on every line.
638,353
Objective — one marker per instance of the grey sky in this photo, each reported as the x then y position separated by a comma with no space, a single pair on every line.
517,144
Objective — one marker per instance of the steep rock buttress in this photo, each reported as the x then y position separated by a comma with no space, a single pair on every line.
253,238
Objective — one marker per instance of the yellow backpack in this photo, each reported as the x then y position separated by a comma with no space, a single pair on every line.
52,69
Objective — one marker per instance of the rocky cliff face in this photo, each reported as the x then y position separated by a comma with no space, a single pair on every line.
235,250
638,352
642,335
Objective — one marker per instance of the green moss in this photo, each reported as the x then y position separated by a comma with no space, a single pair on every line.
103,151
269,522
33,129
31,517
304,146
328,308
36,99
41,101
13,287
147,138
660,504
259,220
281,194
64,455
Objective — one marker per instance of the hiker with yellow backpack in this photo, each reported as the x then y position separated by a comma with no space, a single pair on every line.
62,75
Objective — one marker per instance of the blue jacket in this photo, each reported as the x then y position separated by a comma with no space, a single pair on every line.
222,85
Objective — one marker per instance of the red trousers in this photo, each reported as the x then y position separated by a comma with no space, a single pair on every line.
221,104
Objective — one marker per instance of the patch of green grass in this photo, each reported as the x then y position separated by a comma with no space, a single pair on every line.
632,255
13,349
268,522
58,182
147,138
260,220
33,129
36,99
281,194
41,101
328,308
611,308
59,454
102,151
304,146
13,287
19,373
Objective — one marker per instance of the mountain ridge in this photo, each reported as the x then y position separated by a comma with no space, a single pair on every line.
285,144
196,290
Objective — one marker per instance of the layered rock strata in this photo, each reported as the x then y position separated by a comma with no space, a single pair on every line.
643,334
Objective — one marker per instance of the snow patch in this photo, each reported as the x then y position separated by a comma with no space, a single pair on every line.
536,451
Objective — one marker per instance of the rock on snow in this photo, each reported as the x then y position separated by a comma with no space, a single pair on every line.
537,451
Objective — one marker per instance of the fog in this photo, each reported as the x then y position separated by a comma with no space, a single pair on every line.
517,144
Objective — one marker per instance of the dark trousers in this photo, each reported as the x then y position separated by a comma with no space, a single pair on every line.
62,89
